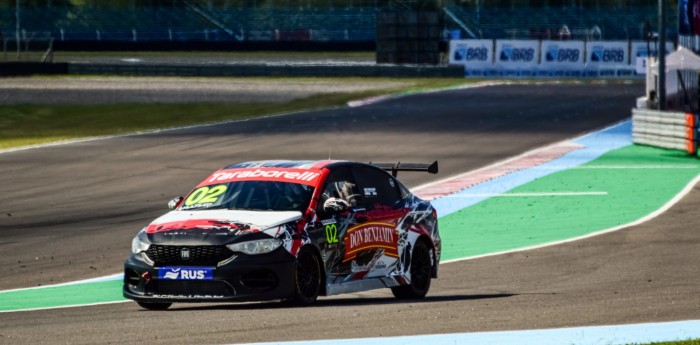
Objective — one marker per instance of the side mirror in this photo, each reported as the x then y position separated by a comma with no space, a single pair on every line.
335,205
175,202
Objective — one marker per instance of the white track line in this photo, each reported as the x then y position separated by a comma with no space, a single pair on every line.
497,195
67,306
115,276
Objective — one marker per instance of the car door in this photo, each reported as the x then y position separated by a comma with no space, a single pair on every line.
372,244
331,228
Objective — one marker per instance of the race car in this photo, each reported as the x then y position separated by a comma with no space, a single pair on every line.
290,231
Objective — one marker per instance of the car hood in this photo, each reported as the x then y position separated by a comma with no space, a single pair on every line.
212,227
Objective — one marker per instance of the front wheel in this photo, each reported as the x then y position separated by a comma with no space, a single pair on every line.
307,276
421,268
154,306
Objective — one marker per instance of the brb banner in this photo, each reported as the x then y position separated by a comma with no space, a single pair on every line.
517,55
472,53
639,53
609,54
562,55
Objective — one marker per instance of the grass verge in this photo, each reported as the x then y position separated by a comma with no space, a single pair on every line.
683,342
22,125
62,56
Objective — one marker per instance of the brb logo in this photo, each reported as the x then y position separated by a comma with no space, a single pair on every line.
183,273
556,54
509,53
466,53
607,55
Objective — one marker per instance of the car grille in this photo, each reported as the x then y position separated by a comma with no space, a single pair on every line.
194,289
199,255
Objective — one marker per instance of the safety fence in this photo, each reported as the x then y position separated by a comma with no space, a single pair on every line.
584,21
665,129
182,24
551,58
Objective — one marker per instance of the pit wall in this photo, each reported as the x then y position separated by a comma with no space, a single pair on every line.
549,58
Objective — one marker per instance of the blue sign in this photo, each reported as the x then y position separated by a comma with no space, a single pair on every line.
186,273
556,54
607,54
510,53
465,53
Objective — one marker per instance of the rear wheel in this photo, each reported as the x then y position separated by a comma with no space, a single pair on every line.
154,306
307,276
421,268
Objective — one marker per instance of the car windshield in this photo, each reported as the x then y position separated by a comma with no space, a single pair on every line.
250,195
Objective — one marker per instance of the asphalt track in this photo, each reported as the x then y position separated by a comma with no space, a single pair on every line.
69,212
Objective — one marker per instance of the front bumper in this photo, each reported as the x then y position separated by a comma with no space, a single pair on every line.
246,278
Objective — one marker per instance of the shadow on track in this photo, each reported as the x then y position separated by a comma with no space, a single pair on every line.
338,302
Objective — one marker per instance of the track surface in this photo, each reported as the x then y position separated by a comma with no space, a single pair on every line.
69,212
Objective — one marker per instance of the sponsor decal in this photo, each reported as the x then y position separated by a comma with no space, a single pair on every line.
466,53
371,236
185,273
510,53
354,267
180,227
328,221
556,54
371,191
332,233
264,174
607,55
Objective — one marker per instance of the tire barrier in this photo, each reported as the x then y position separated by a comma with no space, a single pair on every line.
665,129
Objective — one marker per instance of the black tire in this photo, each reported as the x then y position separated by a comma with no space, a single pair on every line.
421,269
307,278
154,306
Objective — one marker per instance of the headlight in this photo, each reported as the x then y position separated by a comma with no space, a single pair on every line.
139,245
256,247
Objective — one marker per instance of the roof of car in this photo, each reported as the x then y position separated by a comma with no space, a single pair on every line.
310,165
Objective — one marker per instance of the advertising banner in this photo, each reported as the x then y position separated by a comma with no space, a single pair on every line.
517,55
639,54
607,55
471,53
562,55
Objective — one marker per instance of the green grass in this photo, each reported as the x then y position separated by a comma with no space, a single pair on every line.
683,342
62,56
36,124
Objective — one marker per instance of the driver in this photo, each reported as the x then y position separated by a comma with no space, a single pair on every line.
340,195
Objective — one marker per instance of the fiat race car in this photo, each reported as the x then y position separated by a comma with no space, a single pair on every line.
287,230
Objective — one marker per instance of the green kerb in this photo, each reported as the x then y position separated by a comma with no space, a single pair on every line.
638,180
61,296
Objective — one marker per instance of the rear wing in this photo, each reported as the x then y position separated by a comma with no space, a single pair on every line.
396,167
